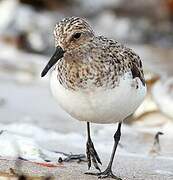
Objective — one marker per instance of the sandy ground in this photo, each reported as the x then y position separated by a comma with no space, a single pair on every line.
126,167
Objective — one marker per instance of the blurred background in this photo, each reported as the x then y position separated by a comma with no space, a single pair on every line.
26,44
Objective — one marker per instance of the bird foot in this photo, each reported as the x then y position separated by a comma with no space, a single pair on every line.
105,174
92,155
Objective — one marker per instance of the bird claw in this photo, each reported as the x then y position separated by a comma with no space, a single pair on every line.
108,174
105,174
92,155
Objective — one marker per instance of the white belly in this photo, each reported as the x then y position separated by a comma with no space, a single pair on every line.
100,105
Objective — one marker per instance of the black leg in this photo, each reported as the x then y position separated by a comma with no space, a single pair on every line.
92,155
108,172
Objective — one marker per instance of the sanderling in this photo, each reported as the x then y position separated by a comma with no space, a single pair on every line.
95,79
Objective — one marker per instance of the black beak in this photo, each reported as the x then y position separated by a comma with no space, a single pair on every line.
57,55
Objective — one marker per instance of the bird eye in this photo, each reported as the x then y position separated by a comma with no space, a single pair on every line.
77,35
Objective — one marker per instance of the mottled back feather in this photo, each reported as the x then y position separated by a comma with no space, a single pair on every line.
95,62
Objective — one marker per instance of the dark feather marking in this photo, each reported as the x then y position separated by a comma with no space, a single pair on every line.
136,73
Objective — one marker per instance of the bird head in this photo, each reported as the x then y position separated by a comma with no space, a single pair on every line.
70,34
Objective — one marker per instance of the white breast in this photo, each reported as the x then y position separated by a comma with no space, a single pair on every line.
100,105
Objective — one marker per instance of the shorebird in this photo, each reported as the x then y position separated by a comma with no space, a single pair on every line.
94,79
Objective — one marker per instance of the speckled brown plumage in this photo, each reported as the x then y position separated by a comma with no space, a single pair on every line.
92,60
